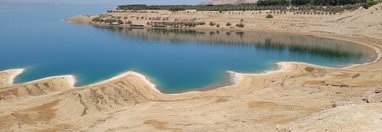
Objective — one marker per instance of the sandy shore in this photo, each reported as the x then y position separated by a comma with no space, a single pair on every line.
9,76
296,97
129,73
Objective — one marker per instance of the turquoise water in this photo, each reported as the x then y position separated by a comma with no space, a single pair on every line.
36,38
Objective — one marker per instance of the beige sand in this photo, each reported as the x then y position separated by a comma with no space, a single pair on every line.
8,76
298,97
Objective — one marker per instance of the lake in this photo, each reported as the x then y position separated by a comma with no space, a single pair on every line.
36,38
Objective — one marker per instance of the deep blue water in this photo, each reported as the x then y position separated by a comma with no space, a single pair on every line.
36,38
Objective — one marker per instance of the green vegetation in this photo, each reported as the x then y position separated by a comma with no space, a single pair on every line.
272,7
370,3
311,2
220,8
212,23
177,24
108,21
134,25
273,2
269,16
326,2
324,5
228,24
240,25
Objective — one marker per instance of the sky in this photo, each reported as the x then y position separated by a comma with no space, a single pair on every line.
106,2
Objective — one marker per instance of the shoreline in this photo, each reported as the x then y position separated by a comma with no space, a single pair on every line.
128,73
375,56
235,77
286,96
377,51
12,73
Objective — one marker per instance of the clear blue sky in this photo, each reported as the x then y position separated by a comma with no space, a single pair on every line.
108,2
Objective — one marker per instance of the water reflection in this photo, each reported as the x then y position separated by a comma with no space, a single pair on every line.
298,44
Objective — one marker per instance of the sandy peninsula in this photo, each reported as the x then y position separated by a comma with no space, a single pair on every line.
297,97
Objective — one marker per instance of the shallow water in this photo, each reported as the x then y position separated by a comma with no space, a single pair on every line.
36,38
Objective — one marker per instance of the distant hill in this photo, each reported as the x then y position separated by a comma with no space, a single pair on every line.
218,2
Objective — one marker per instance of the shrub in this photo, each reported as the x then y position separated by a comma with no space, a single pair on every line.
129,22
120,22
269,16
217,25
212,24
260,5
240,25
97,19
371,3
228,24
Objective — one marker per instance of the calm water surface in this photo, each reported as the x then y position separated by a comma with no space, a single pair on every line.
36,38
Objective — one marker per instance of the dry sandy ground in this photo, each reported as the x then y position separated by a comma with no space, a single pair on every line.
298,97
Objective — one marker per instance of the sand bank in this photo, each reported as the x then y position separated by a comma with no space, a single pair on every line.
7,77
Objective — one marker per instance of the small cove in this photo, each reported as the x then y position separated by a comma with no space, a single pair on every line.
38,40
